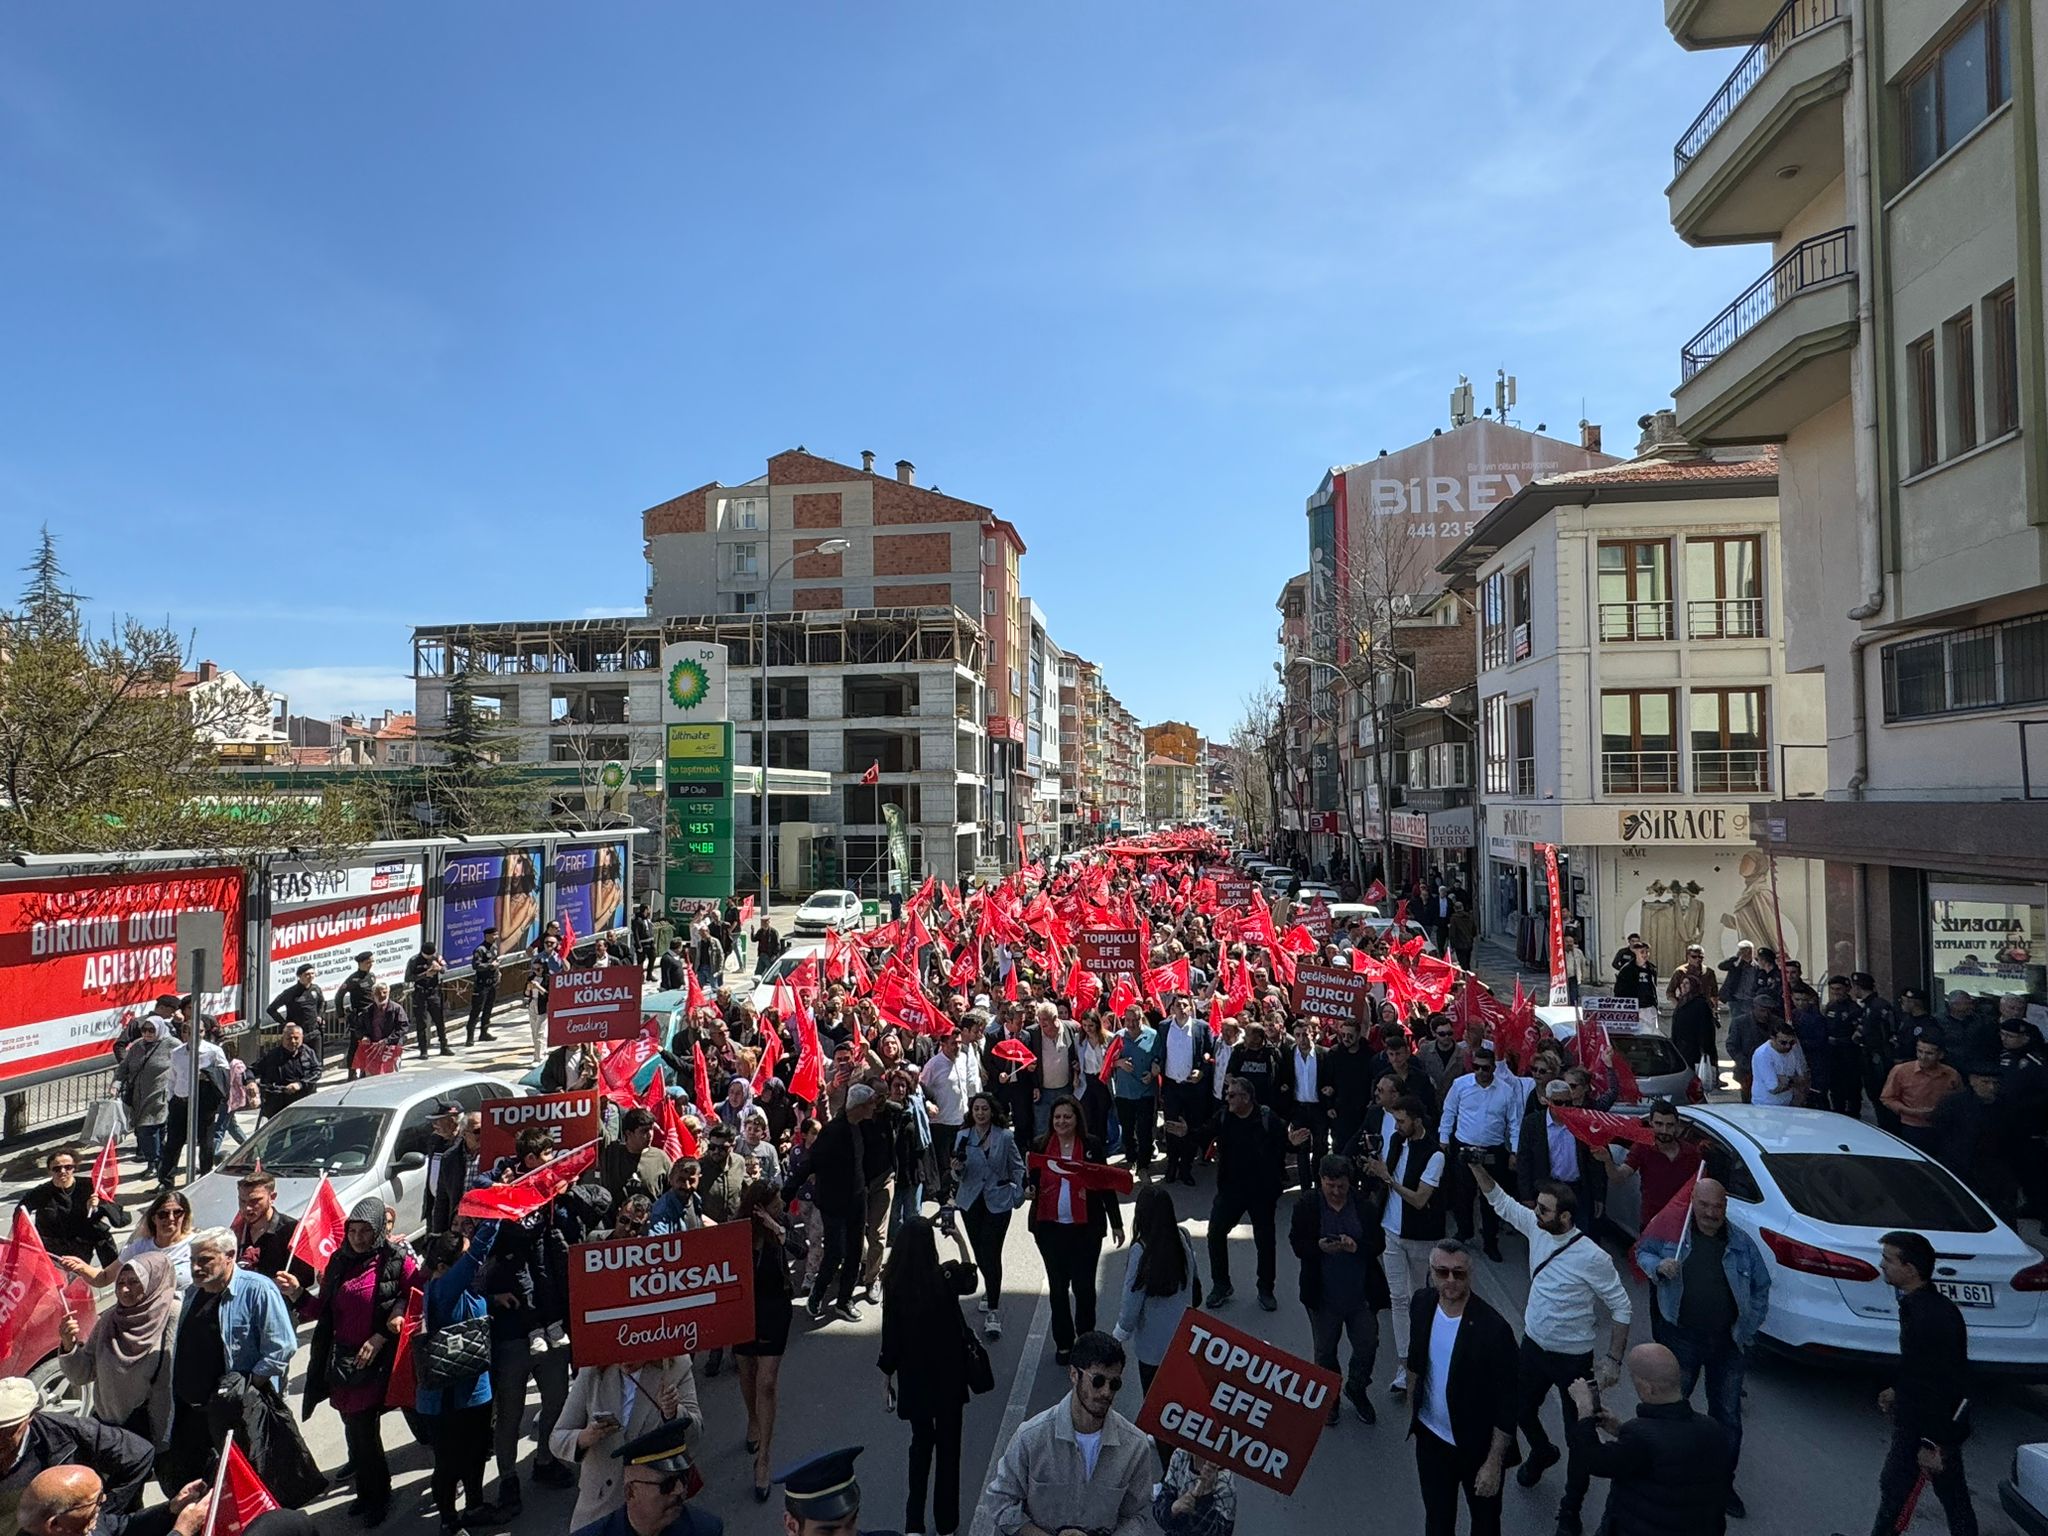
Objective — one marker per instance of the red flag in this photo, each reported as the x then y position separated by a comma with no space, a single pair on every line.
966,969
568,936
666,1127
809,1077
771,1055
620,1064
31,1290
1170,977
1668,1225
746,911
239,1496
1376,893
874,773
1597,1128
516,1198
1020,845
1087,1175
675,1130
1111,1056
375,1058
700,1078
783,1001
106,1174
400,1390
320,1230
693,995
1010,983
1216,1011
1123,995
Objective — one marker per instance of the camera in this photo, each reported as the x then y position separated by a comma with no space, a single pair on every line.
1475,1156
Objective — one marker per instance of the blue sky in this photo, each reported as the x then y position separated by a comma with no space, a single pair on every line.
321,323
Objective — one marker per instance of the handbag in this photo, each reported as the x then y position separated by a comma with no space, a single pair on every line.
459,1352
981,1372
107,1117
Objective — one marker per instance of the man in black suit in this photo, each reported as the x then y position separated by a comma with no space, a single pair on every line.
1461,1395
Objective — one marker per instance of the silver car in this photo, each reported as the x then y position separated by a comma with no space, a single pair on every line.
351,1134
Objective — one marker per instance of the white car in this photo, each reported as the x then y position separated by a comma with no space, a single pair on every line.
828,911
1309,893
1818,1191
763,993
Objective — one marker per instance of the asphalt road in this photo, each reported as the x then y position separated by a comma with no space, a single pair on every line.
1811,1453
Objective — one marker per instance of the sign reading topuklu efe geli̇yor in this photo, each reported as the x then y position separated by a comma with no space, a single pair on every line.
649,1298
1236,1400
598,1004
571,1118
1111,952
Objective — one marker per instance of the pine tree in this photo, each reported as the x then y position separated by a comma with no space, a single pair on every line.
476,784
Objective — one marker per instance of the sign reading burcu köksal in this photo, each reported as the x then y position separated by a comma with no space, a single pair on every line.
571,1118
1317,919
1331,991
599,1004
1236,1400
1111,952
650,1298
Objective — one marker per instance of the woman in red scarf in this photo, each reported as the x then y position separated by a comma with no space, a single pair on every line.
1072,1205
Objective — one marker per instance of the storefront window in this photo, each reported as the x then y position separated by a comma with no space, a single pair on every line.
1988,937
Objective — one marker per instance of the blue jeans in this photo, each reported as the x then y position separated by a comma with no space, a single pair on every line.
1724,1363
149,1142
907,1204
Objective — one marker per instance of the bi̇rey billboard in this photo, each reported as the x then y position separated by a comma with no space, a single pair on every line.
78,955
482,890
590,888
326,917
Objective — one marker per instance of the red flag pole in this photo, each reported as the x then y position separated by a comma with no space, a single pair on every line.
220,1489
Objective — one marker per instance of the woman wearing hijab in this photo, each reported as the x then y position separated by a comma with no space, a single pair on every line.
739,1098
356,1313
127,1359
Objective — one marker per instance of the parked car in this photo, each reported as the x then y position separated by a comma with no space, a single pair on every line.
1309,893
2024,1494
351,1135
1818,1191
1660,1072
827,911
763,993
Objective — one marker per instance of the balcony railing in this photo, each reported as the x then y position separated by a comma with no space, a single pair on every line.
1742,771
1798,18
1639,773
1810,263
1725,618
1635,621
1525,778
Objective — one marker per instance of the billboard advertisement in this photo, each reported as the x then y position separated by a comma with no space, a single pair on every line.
1403,512
82,953
325,917
590,888
479,890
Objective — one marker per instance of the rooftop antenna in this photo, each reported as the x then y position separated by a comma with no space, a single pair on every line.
1503,393
1461,402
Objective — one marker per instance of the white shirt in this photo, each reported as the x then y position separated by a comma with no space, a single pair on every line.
1304,1077
1771,1072
1180,1051
179,1253
1483,1117
1435,1408
1558,1315
1054,1068
1432,1178
1091,1449
951,1082
210,1055
1224,1051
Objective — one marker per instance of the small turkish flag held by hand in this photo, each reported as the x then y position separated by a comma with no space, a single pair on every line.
873,775
106,1174
518,1198
239,1496
320,1230
399,1391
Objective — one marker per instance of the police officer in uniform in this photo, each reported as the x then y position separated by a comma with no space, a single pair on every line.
658,1478
821,1497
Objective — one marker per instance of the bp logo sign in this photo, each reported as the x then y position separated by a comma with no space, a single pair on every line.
612,776
688,683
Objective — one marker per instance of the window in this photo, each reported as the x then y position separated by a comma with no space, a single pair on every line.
1635,591
746,559
1493,741
1639,742
1962,372
742,512
742,602
1730,749
1967,79
1493,623
1995,666
1921,404
1724,588
1521,609
2001,316
1850,1190
1525,749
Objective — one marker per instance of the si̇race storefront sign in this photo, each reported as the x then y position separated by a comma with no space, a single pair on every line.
650,1298
1236,1400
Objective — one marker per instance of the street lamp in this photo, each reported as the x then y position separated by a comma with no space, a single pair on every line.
828,547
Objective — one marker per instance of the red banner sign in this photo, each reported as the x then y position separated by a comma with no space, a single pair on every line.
1560,993
1331,991
1315,917
600,1004
1233,890
1111,952
1236,1400
571,1118
82,954
648,1298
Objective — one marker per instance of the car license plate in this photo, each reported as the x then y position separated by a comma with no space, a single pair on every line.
1966,1293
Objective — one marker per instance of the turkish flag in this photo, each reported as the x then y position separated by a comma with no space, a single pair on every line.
239,1496
320,1230
1123,995
771,1054
520,1197
106,1174
1111,1056
873,775
31,1290
1596,1128
700,1078
1086,1174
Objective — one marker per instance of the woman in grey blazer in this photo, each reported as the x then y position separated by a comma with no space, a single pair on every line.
989,1172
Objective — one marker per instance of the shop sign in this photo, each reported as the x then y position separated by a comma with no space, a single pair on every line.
1409,828
1506,849
1452,830
1525,824
1324,821
1684,824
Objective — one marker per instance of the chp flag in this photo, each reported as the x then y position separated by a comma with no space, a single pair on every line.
1234,1399
1331,991
571,1118
598,1004
649,1298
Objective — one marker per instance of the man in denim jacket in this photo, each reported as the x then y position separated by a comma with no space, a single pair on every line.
234,1323
1713,1289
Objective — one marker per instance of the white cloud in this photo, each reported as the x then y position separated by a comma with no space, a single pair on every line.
615,611
328,691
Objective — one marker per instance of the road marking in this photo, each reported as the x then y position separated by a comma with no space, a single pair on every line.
1015,1409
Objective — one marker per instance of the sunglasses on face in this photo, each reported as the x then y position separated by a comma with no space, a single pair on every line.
1442,1273
63,1167
1098,1381
669,1484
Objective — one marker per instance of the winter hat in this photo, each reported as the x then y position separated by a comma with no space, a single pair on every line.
369,1211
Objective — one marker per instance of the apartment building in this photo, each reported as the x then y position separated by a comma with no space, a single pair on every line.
1174,791
1634,699
1043,762
1887,152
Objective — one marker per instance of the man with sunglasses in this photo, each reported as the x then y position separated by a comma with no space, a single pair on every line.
658,1480
1481,1110
1080,1465
69,1219
1461,1372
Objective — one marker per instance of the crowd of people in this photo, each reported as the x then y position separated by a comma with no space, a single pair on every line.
877,1128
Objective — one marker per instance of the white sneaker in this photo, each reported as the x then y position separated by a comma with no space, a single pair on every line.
1399,1383
993,1328
557,1336
982,1306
